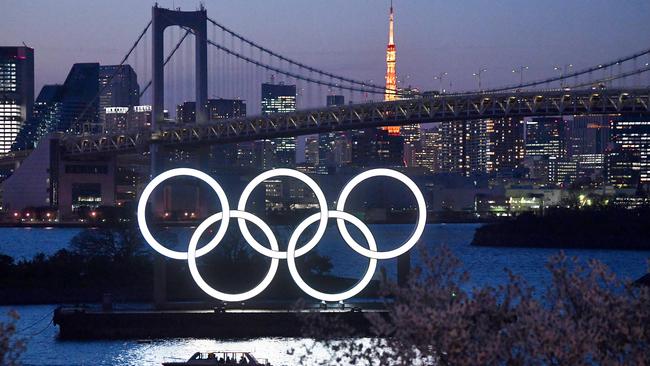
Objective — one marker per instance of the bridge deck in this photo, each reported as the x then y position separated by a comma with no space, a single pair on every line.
357,116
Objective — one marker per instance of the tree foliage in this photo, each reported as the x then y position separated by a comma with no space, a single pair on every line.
586,316
10,347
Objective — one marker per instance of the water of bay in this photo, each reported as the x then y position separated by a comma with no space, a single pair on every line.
485,265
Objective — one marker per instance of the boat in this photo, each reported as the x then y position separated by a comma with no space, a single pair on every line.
221,359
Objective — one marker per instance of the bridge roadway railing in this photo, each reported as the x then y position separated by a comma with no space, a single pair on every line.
436,108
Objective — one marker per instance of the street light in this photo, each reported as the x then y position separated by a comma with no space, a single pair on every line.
563,71
439,77
520,71
478,76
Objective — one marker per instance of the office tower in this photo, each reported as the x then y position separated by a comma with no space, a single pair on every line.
377,147
311,151
80,104
217,109
116,119
588,137
118,85
628,162
464,147
333,147
279,98
427,152
335,100
16,92
46,118
505,145
546,136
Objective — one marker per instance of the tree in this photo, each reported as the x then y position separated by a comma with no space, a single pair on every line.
10,347
586,316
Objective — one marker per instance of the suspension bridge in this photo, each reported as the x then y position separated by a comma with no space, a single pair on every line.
229,65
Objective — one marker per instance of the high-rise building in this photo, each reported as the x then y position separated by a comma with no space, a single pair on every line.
505,145
16,92
79,104
546,136
280,98
428,150
217,109
311,151
335,100
464,147
587,139
46,118
119,88
628,162
377,147
333,147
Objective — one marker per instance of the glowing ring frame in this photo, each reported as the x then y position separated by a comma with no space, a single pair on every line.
142,206
322,226
293,270
419,227
192,254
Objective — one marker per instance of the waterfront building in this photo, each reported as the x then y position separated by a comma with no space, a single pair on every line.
16,92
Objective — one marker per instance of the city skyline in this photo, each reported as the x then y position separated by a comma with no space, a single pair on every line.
446,37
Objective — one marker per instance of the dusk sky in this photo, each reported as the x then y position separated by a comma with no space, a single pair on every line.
349,37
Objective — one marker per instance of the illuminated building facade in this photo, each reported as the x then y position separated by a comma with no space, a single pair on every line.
311,151
16,92
464,147
46,118
628,163
505,151
546,137
278,98
119,88
427,152
334,148
217,109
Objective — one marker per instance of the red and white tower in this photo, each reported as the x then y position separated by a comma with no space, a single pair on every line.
391,77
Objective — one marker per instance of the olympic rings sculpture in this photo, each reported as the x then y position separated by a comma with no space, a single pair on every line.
292,250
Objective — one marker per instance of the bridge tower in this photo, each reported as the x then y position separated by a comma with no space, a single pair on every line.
196,21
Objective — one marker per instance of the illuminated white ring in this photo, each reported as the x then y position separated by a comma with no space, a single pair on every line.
192,254
419,227
291,260
322,203
142,206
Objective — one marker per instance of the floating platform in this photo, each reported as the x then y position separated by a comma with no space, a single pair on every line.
83,323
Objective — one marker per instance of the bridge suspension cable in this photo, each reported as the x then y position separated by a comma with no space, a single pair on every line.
588,70
613,77
296,63
169,57
287,73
